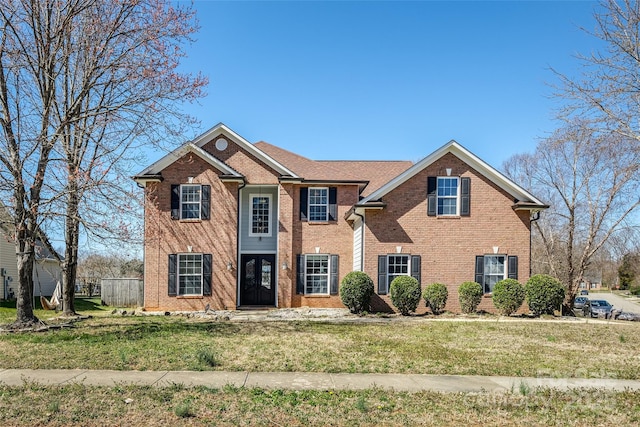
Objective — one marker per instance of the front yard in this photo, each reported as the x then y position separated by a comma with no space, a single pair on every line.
490,346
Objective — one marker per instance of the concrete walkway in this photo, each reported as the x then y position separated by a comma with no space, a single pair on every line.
305,380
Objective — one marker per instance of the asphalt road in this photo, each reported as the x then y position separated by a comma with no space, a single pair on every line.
618,302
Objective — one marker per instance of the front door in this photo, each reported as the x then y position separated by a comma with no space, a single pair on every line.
258,280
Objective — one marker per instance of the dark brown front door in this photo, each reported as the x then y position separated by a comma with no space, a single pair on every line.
258,280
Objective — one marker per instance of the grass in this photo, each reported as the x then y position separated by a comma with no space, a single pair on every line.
529,348
79,405
89,306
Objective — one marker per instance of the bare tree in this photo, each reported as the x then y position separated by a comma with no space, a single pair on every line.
607,90
111,86
591,180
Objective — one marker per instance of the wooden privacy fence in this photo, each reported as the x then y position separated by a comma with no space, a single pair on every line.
122,292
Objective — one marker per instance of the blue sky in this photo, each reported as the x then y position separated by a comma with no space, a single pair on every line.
386,80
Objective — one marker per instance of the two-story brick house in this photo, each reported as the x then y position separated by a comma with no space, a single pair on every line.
230,224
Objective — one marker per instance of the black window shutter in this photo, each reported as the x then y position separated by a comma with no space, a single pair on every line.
304,196
207,263
175,201
465,196
205,202
299,274
480,272
512,273
173,275
333,203
416,267
432,192
382,275
334,274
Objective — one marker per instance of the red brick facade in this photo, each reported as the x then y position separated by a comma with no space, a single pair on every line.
447,245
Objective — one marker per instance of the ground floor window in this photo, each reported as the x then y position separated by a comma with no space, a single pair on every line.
317,274
190,274
397,265
391,266
494,270
490,269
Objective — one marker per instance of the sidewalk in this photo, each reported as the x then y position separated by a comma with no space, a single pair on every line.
305,380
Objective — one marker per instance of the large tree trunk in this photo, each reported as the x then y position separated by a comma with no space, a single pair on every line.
70,263
25,317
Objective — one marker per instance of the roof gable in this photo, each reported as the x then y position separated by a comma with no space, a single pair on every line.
195,146
519,193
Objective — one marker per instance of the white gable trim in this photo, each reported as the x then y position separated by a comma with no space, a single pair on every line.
465,155
189,147
196,145
222,129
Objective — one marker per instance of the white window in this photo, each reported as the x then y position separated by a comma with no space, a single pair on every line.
494,270
316,274
190,199
318,204
448,191
260,215
397,265
189,274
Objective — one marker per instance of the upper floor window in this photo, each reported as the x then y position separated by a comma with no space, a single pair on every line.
318,204
260,215
190,198
190,201
448,196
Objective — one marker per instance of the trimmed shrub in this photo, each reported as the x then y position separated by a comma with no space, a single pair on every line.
544,294
508,296
356,290
435,296
469,295
405,294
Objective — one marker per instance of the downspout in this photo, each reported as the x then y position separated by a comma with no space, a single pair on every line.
240,187
532,219
361,240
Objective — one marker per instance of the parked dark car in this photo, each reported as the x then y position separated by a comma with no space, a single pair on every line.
597,308
579,302
584,292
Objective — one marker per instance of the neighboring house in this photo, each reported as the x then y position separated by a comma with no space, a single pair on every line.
46,270
8,260
230,224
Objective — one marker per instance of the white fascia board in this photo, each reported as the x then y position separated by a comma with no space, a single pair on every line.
198,142
189,147
221,128
465,155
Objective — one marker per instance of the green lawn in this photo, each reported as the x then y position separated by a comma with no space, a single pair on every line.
488,347
78,405
524,348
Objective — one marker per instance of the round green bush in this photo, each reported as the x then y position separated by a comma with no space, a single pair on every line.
435,296
508,296
544,294
405,294
469,295
356,290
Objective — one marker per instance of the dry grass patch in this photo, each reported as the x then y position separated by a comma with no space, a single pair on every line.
529,348
78,405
